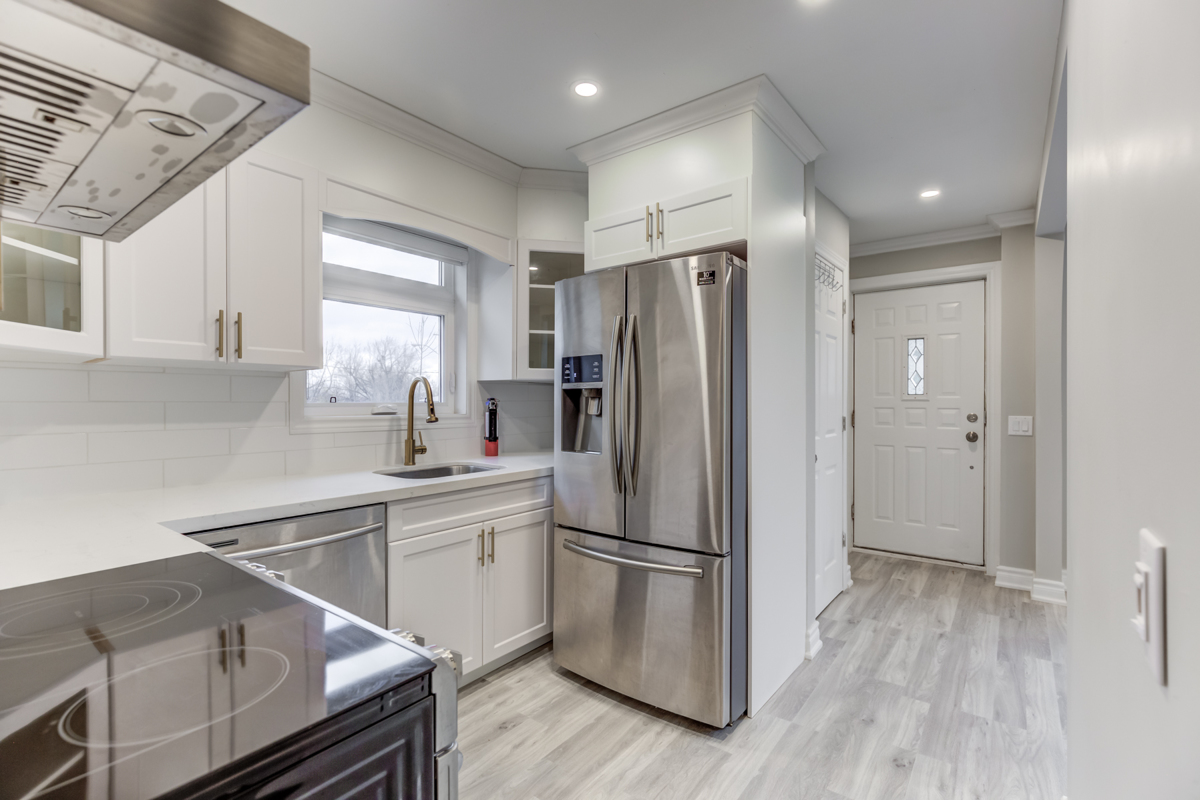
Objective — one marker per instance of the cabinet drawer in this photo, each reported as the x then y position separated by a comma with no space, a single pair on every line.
422,515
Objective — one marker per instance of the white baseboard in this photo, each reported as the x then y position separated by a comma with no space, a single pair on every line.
1014,578
1045,591
812,642
848,581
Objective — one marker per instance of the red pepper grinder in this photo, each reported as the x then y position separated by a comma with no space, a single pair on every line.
491,438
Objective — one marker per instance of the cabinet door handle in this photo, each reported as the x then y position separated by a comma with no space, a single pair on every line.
492,545
239,336
242,643
221,333
658,214
481,547
223,640
647,223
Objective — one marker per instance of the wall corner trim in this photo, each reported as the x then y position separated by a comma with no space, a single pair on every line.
357,104
1011,219
557,179
922,240
757,94
812,641
1014,578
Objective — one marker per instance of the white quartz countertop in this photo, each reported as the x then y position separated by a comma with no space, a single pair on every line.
50,538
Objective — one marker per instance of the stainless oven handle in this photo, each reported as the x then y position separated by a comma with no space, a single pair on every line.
648,566
291,547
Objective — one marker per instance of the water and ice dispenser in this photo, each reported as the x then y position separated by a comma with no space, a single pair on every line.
583,404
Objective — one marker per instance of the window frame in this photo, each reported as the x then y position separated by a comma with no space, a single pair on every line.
348,284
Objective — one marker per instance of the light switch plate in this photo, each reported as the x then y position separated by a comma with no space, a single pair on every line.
1150,598
1020,426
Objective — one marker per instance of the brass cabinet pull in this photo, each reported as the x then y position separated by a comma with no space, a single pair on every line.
492,546
221,333
242,643
647,223
223,639
658,213
239,336
481,547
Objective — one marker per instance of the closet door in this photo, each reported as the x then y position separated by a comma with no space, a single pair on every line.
274,262
166,283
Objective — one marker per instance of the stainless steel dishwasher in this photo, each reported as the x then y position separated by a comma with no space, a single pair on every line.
339,556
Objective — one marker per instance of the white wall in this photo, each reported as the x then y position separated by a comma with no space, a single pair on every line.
552,204
526,414
832,226
778,300
1132,372
1048,441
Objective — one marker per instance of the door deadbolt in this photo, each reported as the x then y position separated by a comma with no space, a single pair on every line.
972,417
972,437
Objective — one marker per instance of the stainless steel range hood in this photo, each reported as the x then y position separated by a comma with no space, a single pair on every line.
111,110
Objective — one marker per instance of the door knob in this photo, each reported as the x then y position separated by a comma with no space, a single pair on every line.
972,436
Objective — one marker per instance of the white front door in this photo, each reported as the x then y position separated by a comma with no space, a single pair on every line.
919,421
830,408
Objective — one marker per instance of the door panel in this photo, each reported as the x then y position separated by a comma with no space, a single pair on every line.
618,239
703,220
829,573
660,638
588,311
678,346
919,373
435,589
167,281
520,580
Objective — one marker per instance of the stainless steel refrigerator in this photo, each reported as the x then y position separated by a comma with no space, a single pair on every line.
650,483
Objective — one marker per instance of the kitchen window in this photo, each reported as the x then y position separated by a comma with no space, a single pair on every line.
389,313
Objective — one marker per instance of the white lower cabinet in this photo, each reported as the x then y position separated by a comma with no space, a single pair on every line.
482,589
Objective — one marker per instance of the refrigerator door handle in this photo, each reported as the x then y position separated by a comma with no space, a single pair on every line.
615,348
647,566
633,441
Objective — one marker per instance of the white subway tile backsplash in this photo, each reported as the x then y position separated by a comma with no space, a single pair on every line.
278,439
54,450
48,417
81,479
137,386
225,415
271,389
332,459
43,384
221,469
144,445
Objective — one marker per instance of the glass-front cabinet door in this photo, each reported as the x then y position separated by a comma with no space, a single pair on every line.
51,293
540,265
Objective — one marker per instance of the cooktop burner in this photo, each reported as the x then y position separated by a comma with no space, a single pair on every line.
131,683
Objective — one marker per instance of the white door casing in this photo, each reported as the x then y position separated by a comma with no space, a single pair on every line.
919,482
829,572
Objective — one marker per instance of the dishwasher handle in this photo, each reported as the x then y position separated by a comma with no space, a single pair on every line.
292,547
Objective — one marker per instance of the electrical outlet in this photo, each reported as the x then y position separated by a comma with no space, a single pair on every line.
1150,597
1020,426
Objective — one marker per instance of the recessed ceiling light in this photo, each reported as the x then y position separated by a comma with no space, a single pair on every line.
586,89
931,193
82,212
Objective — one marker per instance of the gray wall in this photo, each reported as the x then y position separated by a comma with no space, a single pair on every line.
1014,249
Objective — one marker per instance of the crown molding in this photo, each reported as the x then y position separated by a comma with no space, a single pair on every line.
558,179
922,240
757,94
1011,219
357,104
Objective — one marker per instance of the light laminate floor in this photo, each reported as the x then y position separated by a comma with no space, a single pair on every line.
932,683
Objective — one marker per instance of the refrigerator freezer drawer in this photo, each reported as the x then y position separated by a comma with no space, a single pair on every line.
650,623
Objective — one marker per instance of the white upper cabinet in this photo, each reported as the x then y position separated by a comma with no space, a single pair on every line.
688,223
51,295
167,282
274,262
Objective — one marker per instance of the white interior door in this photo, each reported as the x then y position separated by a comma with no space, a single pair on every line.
918,401
830,552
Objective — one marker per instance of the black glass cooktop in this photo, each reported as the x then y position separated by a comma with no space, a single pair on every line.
131,682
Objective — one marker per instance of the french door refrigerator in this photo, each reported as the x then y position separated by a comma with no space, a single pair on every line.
650,483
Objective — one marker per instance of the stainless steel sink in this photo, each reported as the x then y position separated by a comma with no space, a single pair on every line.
439,471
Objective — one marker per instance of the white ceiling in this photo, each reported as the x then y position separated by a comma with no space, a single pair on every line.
905,94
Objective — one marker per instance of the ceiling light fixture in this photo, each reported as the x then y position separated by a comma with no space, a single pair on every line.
586,89
931,193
